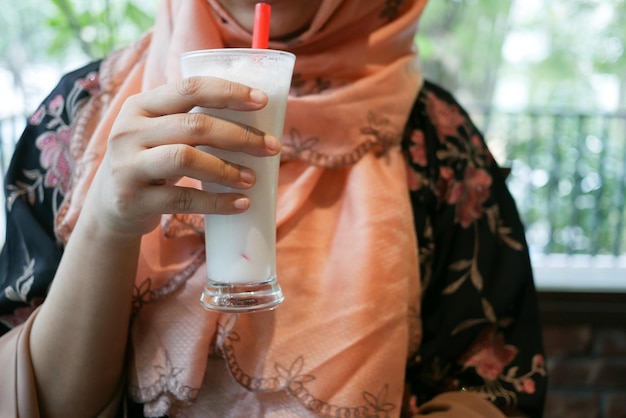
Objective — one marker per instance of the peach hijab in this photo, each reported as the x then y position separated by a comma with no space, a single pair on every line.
347,251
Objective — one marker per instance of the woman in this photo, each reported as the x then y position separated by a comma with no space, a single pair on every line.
121,330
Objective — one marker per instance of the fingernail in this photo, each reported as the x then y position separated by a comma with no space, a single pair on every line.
257,96
247,176
241,203
272,143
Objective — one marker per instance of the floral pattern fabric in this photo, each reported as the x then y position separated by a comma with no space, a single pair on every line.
479,306
35,183
481,329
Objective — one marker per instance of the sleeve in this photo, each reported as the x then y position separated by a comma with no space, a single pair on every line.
18,398
18,395
481,327
35,183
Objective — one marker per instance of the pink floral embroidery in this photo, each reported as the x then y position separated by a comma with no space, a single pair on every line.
445,117
418,149
468,195
528,386
54,145
55,157
489,355
56,105
38,116
90,83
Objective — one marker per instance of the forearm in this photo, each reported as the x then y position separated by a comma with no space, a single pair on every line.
78,340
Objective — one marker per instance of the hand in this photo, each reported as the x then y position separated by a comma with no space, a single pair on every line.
152,145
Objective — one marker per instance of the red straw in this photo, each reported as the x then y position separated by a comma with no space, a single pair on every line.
261,29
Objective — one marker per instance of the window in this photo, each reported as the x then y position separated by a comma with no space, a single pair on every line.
545,83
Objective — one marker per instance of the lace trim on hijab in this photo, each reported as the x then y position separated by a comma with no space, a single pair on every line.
379,136
169,393
144,293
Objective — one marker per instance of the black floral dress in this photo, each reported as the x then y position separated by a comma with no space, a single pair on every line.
479,306
481,330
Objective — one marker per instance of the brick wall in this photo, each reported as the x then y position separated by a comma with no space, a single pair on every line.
585,342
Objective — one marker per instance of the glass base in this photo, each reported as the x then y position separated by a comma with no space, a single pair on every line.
241,297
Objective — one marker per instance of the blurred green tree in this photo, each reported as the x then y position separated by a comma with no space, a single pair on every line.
466,45
566,54
460,42
60,35
97,28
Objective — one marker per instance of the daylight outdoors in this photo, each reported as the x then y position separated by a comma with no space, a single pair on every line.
544,80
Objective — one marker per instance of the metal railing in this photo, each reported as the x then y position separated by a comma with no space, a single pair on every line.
568,175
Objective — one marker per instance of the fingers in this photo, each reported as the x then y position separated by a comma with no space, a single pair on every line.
153,142
162,116
200,129
176,199
190,92
179,160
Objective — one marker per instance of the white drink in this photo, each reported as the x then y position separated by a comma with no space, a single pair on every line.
241,249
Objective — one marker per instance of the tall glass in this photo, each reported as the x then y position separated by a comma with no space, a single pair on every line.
241,248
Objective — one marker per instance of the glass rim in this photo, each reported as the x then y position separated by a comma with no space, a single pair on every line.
236,51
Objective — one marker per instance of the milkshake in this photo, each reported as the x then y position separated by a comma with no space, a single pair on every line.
241,248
